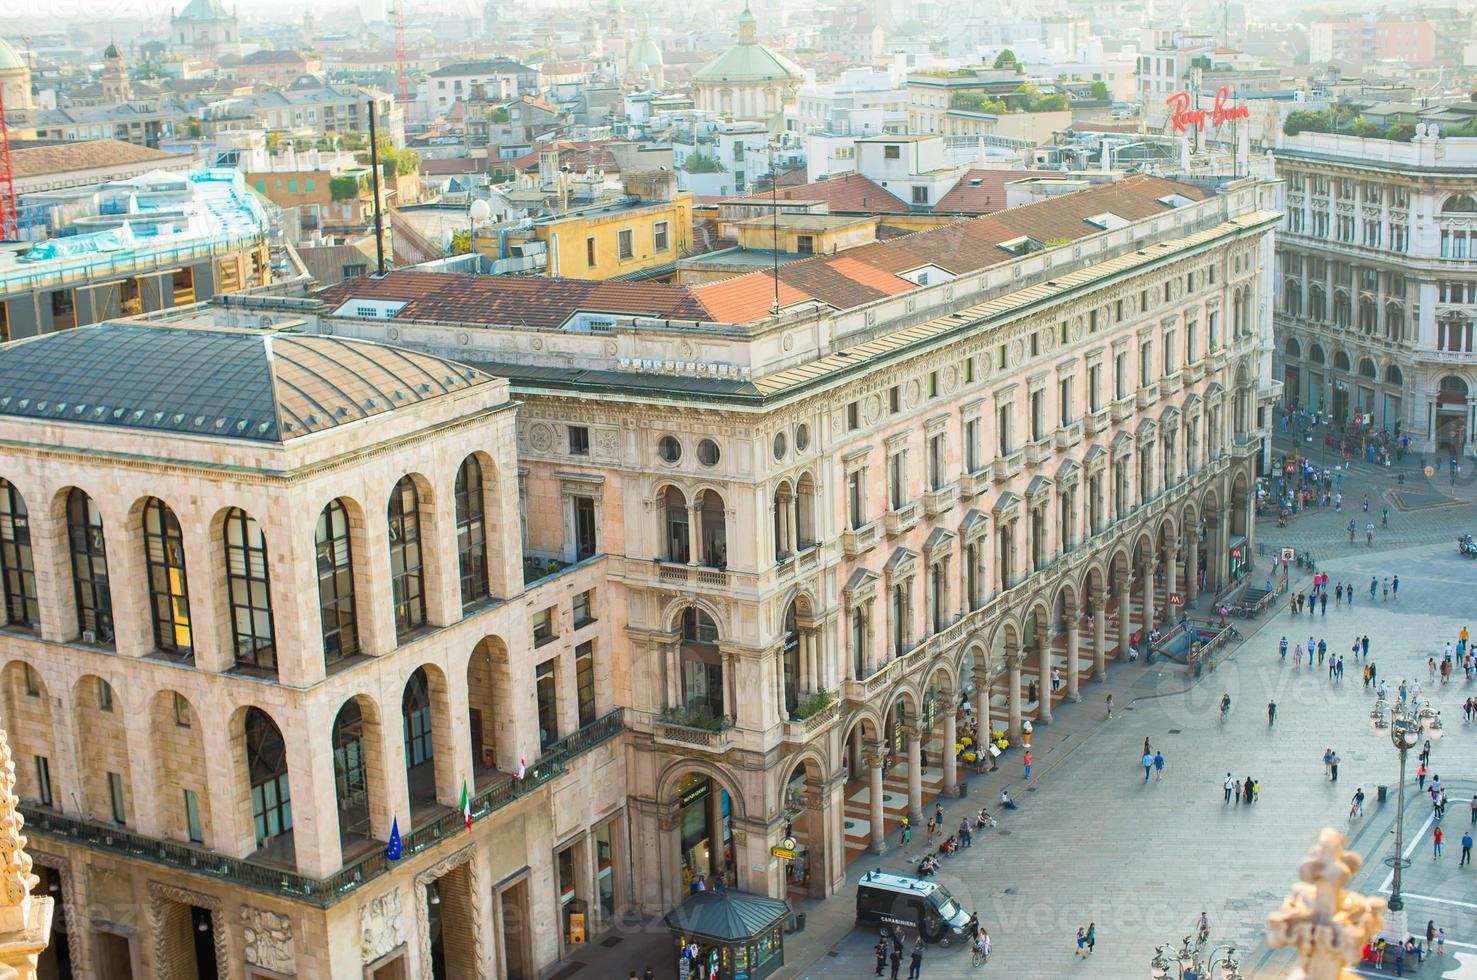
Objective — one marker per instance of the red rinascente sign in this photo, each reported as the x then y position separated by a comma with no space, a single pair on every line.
1182,116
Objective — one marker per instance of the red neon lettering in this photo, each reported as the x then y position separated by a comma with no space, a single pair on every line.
1182,116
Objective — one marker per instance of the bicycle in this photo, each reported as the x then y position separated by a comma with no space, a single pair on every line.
980,955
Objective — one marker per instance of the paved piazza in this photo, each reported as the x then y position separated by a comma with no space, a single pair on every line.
1094,843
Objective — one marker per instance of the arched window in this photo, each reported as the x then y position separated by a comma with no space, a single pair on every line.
17,566
1366,368
350,767
1341,309
1340,361
89,568
1393,376
471,531
266,764
1459,204
1292,297
678,539
1315,354
407,580
415,709
1368,316
249,589
169,590
1317,303
702,665
1394,321
336,583
1293,348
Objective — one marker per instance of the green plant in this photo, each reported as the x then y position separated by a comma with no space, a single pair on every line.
343,188
700,718
1100,90
702,163
1054,242
1006,59
814,705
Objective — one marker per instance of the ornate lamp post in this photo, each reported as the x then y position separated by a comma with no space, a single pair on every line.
1405,726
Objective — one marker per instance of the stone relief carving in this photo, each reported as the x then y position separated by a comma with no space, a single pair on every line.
541,438
1327,925
381,926
912,393
474,901
607,442
268,939
873,409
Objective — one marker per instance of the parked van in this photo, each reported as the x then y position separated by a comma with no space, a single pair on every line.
884,899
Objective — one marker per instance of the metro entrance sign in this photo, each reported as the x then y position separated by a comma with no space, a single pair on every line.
1183,116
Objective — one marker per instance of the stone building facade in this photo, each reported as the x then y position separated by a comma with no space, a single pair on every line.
796,541
1377,283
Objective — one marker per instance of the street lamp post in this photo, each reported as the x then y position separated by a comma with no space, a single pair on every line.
1405,726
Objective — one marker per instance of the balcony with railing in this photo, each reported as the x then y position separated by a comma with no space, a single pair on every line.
1068,436
1005,467
859,540
974,484
1039,451
1095,422
1122,409
901,518
940,501
686,729
46,824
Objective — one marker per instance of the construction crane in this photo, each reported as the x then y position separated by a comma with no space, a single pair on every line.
402,69
9,216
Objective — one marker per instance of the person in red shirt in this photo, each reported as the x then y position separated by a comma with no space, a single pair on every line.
1436,838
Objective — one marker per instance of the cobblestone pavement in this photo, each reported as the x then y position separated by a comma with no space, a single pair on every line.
1094,843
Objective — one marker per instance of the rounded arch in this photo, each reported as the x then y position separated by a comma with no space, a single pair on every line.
944,669
807,756
865,721
338,537
261,762
179,767
675,614
1393,375
1292,348
1452,388
1316,354
671,778
672,502
1340,360
1459,204
1367,368
358,769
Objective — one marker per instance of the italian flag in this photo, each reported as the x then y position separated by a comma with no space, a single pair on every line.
466,805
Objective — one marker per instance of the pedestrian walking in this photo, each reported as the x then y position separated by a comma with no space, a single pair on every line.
1110,706
1236,792
1230,786
1158,766
1466,849
1271,713
896,958
1436,838
1395,587
915,966
1323,603
1372,583
1420,777
1148,765
1327,760
1349,590
1333,768
1385,589
880,951
1027,760
1081,941
1364,645
1091,937
1282,648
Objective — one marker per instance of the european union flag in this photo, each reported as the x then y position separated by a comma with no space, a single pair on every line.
394,848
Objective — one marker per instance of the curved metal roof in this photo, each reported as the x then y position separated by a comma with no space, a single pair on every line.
232,384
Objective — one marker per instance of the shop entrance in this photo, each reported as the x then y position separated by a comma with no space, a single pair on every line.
706,825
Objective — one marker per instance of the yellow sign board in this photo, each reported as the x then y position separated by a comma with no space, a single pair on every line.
787,853
576,927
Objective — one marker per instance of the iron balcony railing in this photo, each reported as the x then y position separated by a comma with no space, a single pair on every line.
322,892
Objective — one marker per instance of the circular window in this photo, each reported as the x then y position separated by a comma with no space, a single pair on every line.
670,449
802,437
707,452
779,445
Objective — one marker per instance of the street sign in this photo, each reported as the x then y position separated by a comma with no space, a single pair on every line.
783,852
1289,554
1175,599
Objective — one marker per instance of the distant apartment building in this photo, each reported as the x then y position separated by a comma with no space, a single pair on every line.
148,243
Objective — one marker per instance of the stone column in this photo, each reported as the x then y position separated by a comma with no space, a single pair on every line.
715,832
1146,577
1223,550
144,778
1171,571
1192,565
1072,652
694,534
792,539
1125,625
315,832
1100,636
981,707
1043,650
875,755
915,773
1013,694
951,739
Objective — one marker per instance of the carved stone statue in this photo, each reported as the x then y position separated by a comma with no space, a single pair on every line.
381,926
268,939
1328,926
25,920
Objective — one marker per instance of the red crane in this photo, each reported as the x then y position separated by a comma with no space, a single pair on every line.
9,217
402,70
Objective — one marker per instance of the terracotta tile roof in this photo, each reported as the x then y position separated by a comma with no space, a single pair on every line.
852,193
575,155
60,158
978,192
516,300
746,298
844,281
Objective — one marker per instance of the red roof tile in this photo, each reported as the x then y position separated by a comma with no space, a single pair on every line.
978,192
745,298
852,193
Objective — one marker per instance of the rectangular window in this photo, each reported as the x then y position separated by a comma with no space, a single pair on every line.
1035,344
920,193
1038,415
310,185
625,244
585,539
972,445
192,817
853,416
1002,357
659,237
104,695
584,608
183,716
892,152
544,692
933,384
1064,401
1169,365
805,244
115,796
43,780
894,399
584,677
856,498
1092,321
63,313
543,626
1002,422
935,462
1146,363
969,370
590,252
579,440
292,187
897,480
32,681
1095,388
